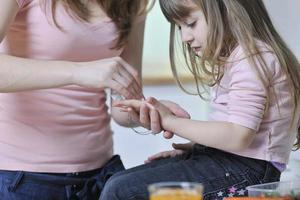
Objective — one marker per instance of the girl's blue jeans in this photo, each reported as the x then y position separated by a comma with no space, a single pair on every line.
20,185
222,174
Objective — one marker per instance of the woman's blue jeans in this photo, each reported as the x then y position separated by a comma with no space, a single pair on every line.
20,185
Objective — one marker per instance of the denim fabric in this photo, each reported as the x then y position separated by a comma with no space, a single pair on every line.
222,174
20,185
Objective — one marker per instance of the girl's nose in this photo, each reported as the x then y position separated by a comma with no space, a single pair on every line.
186,36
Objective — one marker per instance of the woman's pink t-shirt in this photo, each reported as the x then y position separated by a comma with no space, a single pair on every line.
56,130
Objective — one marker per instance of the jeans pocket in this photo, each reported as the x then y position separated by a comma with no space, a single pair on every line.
9,182
231,190
16,181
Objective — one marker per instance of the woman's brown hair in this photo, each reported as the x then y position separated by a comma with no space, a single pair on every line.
122,12
232,23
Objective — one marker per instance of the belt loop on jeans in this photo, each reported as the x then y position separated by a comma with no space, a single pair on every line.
16,181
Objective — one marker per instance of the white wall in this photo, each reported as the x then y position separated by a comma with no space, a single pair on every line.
285,15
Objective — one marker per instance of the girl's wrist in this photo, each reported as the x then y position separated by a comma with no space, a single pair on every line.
168,122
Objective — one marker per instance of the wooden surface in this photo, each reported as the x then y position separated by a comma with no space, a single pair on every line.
165,80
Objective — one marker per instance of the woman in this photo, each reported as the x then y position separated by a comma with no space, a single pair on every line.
57,57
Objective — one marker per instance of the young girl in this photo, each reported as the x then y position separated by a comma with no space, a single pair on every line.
56,142
232,47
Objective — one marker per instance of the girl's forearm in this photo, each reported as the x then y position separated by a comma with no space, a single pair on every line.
20,74
221,135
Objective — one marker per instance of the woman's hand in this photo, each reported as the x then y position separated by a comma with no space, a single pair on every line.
113,73
178,150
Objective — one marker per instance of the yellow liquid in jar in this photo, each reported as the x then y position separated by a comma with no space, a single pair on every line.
178,194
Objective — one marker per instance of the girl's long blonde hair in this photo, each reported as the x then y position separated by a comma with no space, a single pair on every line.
232,23
122,13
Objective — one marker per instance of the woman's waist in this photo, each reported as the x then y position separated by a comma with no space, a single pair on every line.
67,166
53,152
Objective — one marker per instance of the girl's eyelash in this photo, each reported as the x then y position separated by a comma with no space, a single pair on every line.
191,25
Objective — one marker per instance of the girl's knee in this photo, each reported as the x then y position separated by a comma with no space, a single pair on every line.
115,188
112,183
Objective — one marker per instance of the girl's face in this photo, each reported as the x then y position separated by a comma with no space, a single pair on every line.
194,29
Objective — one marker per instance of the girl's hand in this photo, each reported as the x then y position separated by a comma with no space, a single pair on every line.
178,150
141,113
150,118
176,110
164,112
113,73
